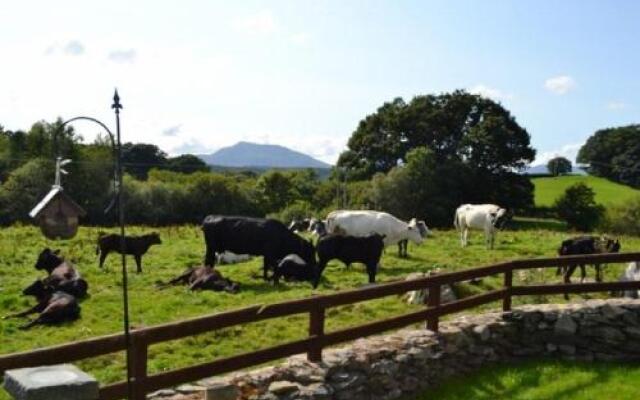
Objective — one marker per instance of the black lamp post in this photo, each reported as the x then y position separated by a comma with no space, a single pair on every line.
118,192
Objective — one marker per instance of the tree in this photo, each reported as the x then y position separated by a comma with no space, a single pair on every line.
187,164
559,166
139,158
614,153
578,207
275,189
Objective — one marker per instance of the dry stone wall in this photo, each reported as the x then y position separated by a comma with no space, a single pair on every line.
412,360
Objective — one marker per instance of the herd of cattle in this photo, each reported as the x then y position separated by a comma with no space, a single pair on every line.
349,236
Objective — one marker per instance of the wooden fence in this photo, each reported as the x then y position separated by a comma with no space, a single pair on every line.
316,307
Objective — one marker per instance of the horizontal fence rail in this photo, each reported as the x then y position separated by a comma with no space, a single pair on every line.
315,307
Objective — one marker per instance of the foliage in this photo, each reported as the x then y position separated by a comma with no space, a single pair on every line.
623,218
559,166
186,163
578,207
548,190
299,209
139,158
24,188
614,153
455,126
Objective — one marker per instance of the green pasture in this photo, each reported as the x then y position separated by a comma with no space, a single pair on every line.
547,190
544,380
183,246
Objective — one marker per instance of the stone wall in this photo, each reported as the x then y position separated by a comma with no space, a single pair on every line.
412,360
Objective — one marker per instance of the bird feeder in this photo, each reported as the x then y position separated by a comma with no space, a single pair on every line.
57,214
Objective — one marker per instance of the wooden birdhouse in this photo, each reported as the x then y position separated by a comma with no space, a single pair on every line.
57,215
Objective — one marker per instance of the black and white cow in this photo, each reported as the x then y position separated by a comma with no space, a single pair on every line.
582,245
294,268
486,217
255,236
349,249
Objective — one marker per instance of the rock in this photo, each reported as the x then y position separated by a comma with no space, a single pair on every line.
565,326
221,391
567,349
161,393
483,332
612,312
283,387
633,332
189,388
54,382
317,391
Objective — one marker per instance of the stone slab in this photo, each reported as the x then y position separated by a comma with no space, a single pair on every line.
55,382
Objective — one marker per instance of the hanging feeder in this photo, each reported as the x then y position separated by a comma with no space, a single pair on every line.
57,214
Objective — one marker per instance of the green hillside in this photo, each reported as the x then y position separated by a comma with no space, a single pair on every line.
547,190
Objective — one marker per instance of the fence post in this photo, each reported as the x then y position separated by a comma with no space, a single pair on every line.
140,353
433,301
316,331
508,283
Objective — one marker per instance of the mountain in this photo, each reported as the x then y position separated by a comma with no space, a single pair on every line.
542,169
245,154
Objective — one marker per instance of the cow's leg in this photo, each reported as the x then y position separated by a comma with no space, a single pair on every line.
598,273
210,254
320,267
371,270
35,309
103,256
583,273
567,276
138,259
268,262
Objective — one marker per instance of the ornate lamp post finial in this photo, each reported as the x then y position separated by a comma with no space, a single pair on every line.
116,102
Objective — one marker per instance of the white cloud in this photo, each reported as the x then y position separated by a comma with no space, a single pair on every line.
617,105
489,92
300,39
74,48
559,84
568,151
123,56
260,23
172,130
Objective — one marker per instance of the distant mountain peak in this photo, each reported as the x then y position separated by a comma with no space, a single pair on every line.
248,154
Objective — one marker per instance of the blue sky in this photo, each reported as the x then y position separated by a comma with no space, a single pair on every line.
198,75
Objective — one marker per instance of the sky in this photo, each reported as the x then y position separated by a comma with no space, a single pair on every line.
194,76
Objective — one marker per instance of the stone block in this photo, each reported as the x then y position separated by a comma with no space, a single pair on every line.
221,391
55,382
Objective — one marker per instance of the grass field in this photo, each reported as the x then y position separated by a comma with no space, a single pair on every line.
183,246
547,190
542,380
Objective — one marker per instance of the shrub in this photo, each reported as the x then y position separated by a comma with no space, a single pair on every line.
578,207
299,209
623,219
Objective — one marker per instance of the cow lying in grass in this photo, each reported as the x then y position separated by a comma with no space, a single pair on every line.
349,249
62,275
136,246
294,268
203,278
54,306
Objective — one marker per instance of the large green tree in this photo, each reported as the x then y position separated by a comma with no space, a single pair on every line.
139,158
614,153
558,166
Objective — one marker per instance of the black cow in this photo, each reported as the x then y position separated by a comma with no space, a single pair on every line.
54,306
293,268
204,278
350,249
299,225
136,246
583,245
256,236
319,227
63,276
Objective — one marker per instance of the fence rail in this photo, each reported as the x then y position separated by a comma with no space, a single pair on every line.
316,307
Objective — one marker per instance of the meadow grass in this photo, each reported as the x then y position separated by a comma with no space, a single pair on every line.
543,380
548,189
183,246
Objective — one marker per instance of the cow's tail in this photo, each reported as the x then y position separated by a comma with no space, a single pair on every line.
456,223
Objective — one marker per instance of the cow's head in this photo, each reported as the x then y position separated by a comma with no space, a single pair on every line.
48,260
37,289
499,218
413,232
154,238
613,246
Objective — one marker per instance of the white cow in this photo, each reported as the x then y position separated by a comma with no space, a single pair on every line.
631,273
365,222
487,217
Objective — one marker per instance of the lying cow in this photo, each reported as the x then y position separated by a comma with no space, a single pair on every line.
583,245
136,246
486,217
62,275
424,232
227,257
349,249
54,306
293,268
361,223
204,278
255,236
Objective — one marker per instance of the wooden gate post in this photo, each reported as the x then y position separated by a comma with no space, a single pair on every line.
433,301
508,283
316,331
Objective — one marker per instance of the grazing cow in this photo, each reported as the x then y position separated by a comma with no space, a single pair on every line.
136,246
350,249
62,275
293,268
54,306
227,257
488,217
256,236
424,232
204,278
365,222
318,227
299,225
631,273
582,245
